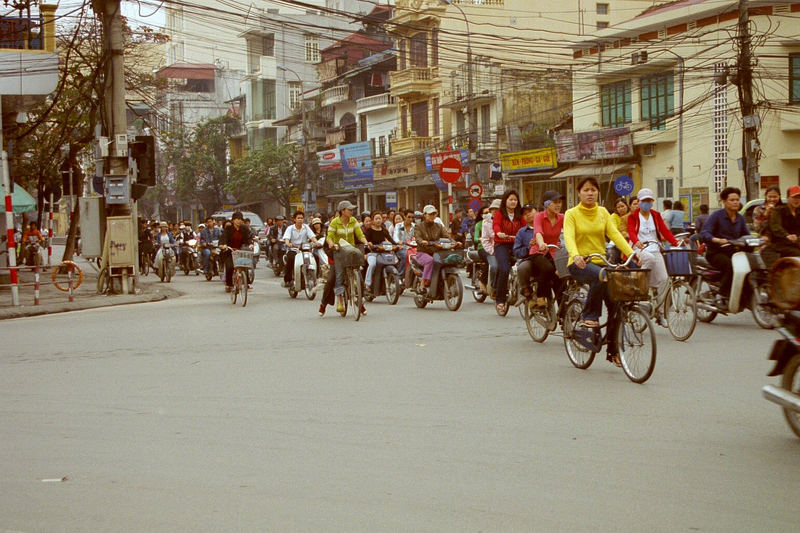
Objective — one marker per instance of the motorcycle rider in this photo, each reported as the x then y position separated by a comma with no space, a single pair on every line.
403,232
163,232
276,238
31,236
784,229
426,233
295,235
722,226
208,235
235,237
376,233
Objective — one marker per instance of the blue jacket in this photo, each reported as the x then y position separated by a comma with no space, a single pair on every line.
522,242
719,225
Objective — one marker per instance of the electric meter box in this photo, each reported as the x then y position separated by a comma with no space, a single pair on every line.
118,190
121,244
93,225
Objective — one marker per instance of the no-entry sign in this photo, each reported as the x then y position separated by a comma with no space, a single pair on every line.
450,170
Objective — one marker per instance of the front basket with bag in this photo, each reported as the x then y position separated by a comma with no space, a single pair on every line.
628,285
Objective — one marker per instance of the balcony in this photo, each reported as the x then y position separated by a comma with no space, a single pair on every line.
374,103
413,144
414,81
334,95
28,59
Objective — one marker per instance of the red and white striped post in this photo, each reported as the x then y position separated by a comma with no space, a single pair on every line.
9,205
36,285
50,232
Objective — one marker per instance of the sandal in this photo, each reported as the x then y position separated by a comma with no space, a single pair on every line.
613,358
501,308
592,324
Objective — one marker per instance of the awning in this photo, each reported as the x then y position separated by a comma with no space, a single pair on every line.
188,71
596,171
21,201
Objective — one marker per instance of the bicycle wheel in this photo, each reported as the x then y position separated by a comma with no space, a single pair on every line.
579,355
391,288
680,310
479,295
356,296
535,321
637,349
243,285
61,276
235,289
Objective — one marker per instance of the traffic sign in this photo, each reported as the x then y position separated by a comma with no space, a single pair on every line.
475,204
476,190
450,170
623,185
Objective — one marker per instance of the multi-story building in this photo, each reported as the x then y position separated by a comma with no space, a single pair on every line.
669,77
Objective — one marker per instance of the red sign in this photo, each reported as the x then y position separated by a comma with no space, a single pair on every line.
450,170
476,190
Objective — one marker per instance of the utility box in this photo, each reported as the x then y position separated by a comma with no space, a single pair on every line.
93,225
121,243
118,190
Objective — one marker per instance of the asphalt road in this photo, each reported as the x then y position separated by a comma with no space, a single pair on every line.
193,415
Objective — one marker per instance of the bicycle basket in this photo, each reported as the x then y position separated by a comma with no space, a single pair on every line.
561,258
628,285
680,261
243,258
350,256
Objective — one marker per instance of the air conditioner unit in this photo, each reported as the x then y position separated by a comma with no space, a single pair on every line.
649,150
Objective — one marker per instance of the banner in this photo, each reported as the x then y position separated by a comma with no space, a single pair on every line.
356,165
612,143
329,160
541,159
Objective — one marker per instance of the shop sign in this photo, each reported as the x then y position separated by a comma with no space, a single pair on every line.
329,160
356,165
612,143
529,160
434,161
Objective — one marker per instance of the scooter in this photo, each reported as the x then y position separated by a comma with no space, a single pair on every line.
445,282
278,255
213,261
786,352
385,280
188,256
475,268
749,288
165,260
305,273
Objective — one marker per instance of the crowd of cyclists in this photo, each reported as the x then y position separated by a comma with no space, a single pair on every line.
504,233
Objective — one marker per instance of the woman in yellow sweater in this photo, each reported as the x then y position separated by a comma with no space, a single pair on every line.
586,227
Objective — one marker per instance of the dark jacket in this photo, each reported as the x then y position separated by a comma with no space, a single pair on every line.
429,232
247,238
781,224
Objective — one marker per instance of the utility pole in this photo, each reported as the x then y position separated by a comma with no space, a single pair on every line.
750,120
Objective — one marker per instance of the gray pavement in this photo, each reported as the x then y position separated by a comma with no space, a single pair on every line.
194,415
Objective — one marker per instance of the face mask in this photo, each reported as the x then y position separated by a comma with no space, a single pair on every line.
487,216
645,206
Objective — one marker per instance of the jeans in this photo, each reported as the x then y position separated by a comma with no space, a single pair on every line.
372,260
598,292
401,264
502,253
205,253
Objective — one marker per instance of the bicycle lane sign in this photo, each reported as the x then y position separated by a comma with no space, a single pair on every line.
623,185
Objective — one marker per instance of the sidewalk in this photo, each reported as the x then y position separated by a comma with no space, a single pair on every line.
52,300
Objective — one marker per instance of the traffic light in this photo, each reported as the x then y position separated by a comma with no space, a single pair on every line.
143,151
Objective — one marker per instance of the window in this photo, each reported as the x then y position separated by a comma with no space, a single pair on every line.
419,118
263,99
435,47
602,25
485,123
615,103
794,79
382,145
419,50
664,191
401,54
461,125
435,116
312,49
658,100
719,124
403,121
602,9
295,94
268,45
199,86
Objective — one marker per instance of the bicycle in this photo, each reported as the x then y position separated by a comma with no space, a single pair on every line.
678,303
635,334
242,262
353,297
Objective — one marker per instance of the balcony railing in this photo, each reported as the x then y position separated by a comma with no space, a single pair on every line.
334,95
414,75
36,33
412,144
374,102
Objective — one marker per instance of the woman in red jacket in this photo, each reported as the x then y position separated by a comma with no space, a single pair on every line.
507,221
646,224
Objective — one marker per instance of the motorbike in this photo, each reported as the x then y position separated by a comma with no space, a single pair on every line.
213,261
165,260
188,255
385,280
32,257
749,288
277,258
445,282
305,273
475,267
786,351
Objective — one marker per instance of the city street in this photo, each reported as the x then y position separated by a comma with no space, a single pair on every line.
195,415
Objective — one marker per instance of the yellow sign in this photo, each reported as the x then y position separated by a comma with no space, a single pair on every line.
540,159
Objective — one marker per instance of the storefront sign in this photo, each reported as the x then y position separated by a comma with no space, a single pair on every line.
391,199
610,143
529,160
434,161
356,165
329,160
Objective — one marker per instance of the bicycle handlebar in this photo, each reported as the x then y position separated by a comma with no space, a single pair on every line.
608,263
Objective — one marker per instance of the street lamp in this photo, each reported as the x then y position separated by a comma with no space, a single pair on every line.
471,144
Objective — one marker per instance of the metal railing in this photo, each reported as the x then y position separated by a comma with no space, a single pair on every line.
375,101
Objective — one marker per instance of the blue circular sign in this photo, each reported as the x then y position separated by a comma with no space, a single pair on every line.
623,185
475,204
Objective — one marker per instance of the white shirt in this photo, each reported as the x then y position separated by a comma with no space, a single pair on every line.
298,236
647,232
